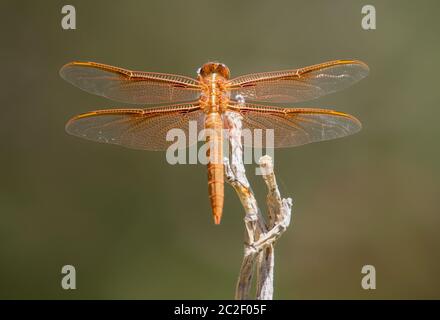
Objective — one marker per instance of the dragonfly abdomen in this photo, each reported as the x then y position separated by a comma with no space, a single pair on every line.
214,138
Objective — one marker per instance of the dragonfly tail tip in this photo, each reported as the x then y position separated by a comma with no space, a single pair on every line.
217,219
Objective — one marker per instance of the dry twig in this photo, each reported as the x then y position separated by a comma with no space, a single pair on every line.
260,235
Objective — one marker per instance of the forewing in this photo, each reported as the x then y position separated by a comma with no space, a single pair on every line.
292,86
130,86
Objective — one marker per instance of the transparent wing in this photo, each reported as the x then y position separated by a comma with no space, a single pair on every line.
144,129
130,86
295,126
298,85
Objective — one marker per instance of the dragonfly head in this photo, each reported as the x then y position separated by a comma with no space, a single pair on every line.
214,67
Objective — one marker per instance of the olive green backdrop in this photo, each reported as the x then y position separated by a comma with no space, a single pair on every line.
136,227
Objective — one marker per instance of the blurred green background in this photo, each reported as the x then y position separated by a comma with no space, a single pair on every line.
137,227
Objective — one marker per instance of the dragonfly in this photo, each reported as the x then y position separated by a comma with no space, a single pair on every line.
177,100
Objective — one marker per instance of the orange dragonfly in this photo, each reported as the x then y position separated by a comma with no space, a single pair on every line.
205,100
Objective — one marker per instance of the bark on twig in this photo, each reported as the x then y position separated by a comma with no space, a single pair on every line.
260,235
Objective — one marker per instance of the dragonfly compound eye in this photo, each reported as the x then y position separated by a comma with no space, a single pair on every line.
214,67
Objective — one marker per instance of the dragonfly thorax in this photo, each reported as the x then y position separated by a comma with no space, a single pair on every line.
214,96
